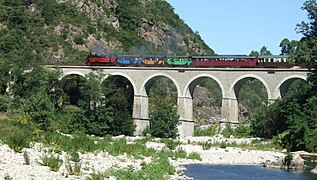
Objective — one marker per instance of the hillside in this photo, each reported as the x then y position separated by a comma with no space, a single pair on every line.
63,31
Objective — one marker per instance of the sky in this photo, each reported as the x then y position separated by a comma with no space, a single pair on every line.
240,26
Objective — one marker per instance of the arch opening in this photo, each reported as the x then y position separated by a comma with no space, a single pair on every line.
207,100
291,85
71,85
119,94
160,89
251,94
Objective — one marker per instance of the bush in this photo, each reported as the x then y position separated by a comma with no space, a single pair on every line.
170,143
194,155
210,131
19,140
53,162
206,145
242,130
164,121
79,40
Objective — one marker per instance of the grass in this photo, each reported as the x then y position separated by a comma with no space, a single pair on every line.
254,145
194,155
210,131
53,162
19,140
159,168
170,143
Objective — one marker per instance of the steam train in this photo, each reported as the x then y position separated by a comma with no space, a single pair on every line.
94,59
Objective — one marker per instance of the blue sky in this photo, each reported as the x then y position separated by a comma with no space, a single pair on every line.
240,26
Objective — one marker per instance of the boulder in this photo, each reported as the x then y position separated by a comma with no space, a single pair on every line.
297,162
314,170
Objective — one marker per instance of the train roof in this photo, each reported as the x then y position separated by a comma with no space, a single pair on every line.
222,56
274,56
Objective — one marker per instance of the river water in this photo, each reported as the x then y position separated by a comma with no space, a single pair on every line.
243,172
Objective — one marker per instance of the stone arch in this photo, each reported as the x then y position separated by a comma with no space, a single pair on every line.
72,73
284,84
192,83
150,80
237,84
123,75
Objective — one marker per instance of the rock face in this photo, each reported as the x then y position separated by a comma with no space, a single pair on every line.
314,170
205,111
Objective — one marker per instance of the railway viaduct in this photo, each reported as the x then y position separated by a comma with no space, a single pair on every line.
276,81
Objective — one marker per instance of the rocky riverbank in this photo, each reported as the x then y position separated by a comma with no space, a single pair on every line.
14,164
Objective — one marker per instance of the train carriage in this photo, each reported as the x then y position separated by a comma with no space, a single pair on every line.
225,61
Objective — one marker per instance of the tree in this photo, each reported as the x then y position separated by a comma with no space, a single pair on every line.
164,121
264,51
289,48
254,53
307,48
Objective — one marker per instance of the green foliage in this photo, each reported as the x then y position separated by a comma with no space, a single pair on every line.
252,95
170,143
19,140
74,156
242,131
53,162
8,177
210,131
79,40
5,102
164,121
227,131
288,159
158,169
206,145
194,155
71,120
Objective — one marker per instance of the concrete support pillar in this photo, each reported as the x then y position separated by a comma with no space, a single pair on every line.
185,111
140,113
230,109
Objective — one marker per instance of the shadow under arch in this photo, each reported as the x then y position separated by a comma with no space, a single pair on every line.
241,80
151,79
285,83
70,84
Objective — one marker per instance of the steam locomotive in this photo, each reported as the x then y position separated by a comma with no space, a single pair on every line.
94,59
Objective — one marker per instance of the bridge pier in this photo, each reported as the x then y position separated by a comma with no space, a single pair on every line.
140,114
230,109
185,111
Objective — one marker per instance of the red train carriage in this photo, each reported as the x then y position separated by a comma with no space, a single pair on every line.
225,61
99,59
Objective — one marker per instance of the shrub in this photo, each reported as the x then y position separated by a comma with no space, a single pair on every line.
242,130
79,40
19,140
164,121
288,159
227,131
74,156
210,131
194,155
206,145
170,143
53,162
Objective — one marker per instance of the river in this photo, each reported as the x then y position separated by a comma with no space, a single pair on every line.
243,172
